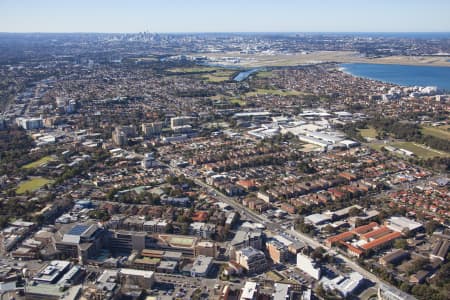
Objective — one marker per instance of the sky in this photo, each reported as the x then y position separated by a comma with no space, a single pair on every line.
224,16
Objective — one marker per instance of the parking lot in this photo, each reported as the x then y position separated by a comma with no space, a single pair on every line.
171,286
294,273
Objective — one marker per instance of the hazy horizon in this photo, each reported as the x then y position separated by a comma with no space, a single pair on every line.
229,32
232,16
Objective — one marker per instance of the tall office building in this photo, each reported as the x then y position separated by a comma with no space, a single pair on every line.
152,129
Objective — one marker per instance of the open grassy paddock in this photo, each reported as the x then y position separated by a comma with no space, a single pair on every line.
218,76
272,92
238,101
265,74
368,132
421,151
441,132
192,70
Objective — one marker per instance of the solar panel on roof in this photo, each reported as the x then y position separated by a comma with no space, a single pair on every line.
78,229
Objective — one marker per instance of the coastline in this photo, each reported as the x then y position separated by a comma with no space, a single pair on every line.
401,75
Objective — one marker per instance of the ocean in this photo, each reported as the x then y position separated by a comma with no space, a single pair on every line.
402,74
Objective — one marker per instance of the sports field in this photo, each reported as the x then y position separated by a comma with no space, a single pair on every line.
32,184
181,241
38,163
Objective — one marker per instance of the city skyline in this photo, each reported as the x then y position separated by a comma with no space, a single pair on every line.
232,16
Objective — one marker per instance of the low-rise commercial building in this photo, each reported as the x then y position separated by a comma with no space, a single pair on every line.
206,248
344,285
52,272
201,266
141,278
250,291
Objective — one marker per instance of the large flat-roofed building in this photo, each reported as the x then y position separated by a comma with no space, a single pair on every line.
317,219
81,241
344,285
178,243
251,259
141,278
52,272
51,292
201,266
402,224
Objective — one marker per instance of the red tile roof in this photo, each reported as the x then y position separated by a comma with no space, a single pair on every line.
200,216
246,183
377,233
352,248
383,240
365,228
339,237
